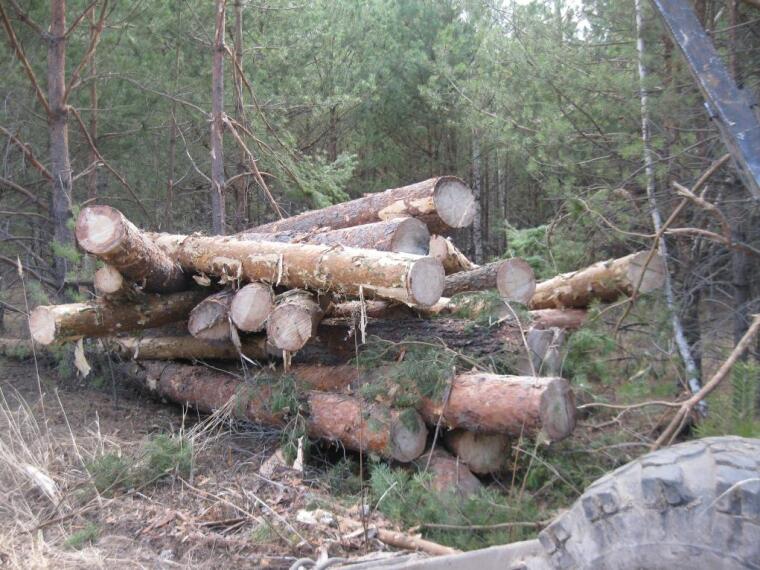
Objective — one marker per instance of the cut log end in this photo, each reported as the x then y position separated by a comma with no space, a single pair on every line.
411,236
516,281
209,319
99,229
251,307
449,474
108,280
454,202
42,325
426,280
482,453
653,274
408,436
293,322
557,409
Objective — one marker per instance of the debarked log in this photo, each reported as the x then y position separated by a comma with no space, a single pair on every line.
442,203
512,278
400,235
604,281
59,323
357,425
403,277
105,232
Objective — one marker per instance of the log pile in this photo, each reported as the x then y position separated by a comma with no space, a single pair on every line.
378,333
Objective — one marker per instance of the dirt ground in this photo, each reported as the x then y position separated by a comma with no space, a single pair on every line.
229,511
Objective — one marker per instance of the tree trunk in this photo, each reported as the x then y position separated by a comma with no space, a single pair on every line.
407,278
251,307
107,234
217,124
603,281
401,235
294,320
442,203
334,417
513,278
60,167
482,453
188,348
684,349
453,260
512,405
59,323
449,474
210,319
477,227
241,185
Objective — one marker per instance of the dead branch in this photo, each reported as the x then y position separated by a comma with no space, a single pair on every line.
107,164
27,152
20,189
19,51
79,18
679,420
24,17
97,30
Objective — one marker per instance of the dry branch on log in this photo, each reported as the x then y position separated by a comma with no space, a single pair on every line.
400,235
59,323
334,417
104,232
604,281
442,203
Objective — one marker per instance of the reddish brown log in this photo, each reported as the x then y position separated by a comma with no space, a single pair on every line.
448,474
513,405
513,278
570,319
59,323
605,281
482,453
210,319
399,276
107,234
251,307
442,203
294,320
401,235
453,260
335,417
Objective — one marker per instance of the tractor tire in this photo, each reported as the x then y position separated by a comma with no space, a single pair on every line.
690,506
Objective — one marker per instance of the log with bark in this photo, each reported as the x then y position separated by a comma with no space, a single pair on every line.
342,418
251,307
568,319
453,260
605,281
188,348
104,232
400,235
210,319
482,453
477,401
512,405
294,320
448,474
442,203
59,323
513,278
403,277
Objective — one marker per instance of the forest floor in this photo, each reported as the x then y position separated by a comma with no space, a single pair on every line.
234,502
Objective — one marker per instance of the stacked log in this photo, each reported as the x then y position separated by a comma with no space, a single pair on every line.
307,295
